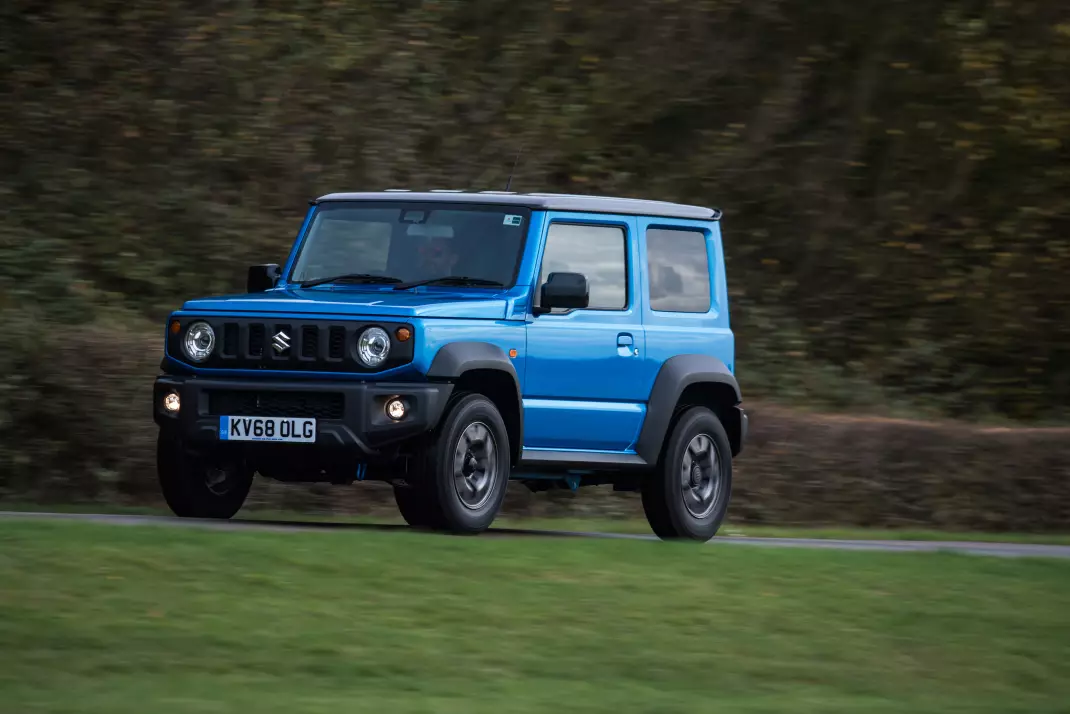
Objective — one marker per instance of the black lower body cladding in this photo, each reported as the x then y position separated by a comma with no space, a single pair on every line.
350,415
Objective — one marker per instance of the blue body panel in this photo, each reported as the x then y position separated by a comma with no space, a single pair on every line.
585,376
588,357
674,333
573,425
366,300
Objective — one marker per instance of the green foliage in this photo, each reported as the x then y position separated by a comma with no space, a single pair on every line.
895,175
75,419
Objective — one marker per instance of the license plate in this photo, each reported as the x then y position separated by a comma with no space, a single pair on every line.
290,430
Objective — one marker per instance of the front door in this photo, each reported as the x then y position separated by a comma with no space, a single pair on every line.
584,388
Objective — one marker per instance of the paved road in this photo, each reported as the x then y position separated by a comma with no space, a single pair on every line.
1010,550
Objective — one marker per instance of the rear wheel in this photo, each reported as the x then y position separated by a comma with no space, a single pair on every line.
687,496
197,486
464,469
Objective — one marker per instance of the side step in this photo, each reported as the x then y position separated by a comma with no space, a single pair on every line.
553,460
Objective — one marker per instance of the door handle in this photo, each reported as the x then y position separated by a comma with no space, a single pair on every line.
624,346
624,340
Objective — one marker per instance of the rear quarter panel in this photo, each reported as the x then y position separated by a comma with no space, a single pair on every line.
675,333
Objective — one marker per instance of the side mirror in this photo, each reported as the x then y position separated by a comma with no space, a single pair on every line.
262,277
564,290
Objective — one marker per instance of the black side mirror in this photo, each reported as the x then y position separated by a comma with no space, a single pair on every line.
262,277
564,290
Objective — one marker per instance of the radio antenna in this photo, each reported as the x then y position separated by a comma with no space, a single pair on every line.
509,182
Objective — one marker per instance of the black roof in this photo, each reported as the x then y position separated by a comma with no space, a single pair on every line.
539,201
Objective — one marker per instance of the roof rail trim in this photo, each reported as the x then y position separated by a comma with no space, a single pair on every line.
540,201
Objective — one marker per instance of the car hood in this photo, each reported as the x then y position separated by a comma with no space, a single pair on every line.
334,301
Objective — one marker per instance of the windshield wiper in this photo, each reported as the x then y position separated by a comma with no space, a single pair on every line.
450,280
367,278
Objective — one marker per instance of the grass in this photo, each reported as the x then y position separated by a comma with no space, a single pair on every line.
97,618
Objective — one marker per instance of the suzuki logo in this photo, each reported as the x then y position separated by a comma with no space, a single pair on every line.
280,341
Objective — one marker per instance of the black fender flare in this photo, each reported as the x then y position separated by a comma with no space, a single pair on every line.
675,375
454,359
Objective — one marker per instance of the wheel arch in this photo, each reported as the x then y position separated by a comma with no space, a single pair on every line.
484,368
684,381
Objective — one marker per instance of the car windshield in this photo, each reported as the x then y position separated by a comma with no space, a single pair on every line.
412,242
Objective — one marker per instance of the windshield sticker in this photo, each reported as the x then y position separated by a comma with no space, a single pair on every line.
511,221
414,216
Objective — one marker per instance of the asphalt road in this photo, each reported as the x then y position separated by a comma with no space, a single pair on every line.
1007,550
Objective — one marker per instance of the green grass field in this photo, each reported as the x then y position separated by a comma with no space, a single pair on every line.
98,618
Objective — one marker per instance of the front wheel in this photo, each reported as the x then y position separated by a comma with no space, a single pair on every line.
464,468
687,496
196,486
414,507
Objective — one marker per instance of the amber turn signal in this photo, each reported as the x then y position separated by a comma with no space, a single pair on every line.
176,327
512,353
403,334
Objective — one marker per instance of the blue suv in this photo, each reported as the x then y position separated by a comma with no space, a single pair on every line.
448,342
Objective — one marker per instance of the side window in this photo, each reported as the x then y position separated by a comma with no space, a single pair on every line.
678,269
599,252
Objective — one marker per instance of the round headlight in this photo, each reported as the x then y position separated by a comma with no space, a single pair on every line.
199,342
373,346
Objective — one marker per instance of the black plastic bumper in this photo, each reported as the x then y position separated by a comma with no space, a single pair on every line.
355,418
735,422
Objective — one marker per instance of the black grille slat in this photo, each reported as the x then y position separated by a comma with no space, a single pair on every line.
337,343
310,336
230,339
318,405
256,340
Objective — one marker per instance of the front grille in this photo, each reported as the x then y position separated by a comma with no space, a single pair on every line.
337,343
318,405
309,341
230,340
291,345
256,340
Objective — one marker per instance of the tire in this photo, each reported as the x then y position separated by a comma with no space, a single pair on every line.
464,468
414,507
687,496
195,487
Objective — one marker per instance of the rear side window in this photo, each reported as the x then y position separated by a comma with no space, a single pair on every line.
679,270
596,251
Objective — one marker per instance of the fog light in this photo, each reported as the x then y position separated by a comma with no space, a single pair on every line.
172,402
395,409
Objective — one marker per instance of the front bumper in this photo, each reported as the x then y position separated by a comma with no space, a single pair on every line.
349,415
